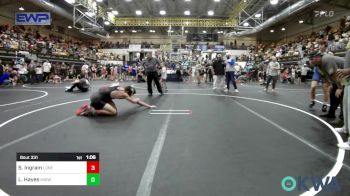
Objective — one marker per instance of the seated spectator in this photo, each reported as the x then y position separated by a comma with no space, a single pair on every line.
5,78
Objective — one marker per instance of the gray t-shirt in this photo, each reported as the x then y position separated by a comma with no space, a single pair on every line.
150,64
273,68
330,63
347,59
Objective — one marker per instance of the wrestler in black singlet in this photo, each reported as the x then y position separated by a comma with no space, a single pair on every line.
102,97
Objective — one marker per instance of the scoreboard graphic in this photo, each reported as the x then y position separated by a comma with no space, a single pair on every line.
79,169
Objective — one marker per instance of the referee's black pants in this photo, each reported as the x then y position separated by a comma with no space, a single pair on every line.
153,76
335,102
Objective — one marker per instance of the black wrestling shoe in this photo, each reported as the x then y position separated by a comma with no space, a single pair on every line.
150,94
312,104
324,108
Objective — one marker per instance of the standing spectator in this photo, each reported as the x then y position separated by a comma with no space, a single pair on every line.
238,70
39,73
116,72
104,72
46,70
31,72
151,64
93,72
331,39
272,72
85,70
57,69
63,72
134,72
129,72
304,70
230,73
219,72
199,72
293,75
164,77
109,72
210,73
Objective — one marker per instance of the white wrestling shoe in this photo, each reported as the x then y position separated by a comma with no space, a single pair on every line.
341,130
345,145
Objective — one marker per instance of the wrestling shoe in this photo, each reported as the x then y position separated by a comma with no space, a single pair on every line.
324,108
312,104
341,130
83,110
345,145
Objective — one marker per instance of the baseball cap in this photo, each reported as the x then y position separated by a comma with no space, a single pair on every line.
314,54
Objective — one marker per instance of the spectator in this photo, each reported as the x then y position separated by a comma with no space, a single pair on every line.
46,70
85,70
93,72
230,73
304,70
272,72
219,72
5,78
38,73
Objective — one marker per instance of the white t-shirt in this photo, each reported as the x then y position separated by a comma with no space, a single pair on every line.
46,67
304,71
238,69
164,74
85,67
293,72
38,70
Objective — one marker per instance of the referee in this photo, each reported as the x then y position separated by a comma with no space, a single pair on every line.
150,64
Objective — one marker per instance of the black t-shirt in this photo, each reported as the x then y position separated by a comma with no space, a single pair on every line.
219,67
84,83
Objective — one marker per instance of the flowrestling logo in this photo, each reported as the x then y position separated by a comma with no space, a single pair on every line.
33,18
302,183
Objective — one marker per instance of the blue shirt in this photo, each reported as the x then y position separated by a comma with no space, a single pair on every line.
125,67
5,76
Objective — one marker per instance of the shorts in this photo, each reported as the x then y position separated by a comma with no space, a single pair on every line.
82,89
97,101
316,76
